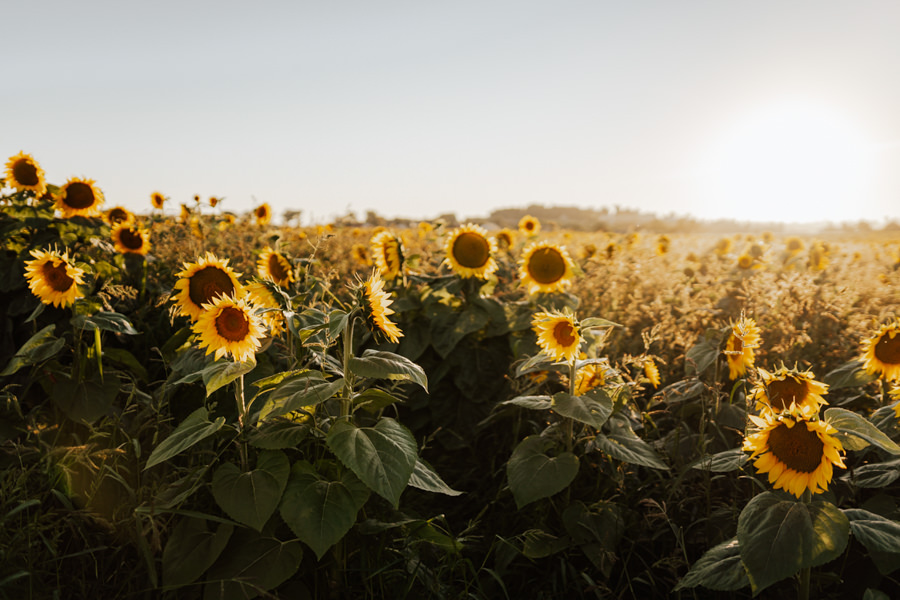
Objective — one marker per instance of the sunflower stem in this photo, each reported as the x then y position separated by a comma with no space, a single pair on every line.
243,409
347,393
803,588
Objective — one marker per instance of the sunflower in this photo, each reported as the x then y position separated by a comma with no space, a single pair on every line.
260,296
157,200
723,246
777,392
557,334
793,245
387,252
53,278
895,395
505,238
228,219
200,282
469,252
79,198
24,173
662,245
424,229
262,214
529,225
375,302
546,268
229,326
881,352
213,201
361,255
131,239
744,337
273,265
185,215
746,262
589,376
118,215
651,372
796,450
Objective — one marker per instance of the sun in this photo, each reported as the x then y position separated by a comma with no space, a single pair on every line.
796,160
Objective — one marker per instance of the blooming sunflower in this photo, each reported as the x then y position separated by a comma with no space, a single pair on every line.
157,200
777,392
375,303
557,334
117,215
361,255
262,214
793,245
273,265
79,198
744,337
24,173
229,326
469,250
881,352
387,252
796,450
746,262
545,267
651,372
53,278
723,246
130,239
590,376
895,395
529,225
200,282
260,296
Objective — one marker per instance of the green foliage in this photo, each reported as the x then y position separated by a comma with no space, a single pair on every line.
251,498
534,475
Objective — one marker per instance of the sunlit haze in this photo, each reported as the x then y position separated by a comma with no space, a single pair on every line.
750,111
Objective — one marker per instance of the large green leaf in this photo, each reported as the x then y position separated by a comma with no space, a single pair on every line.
849,374
307,389
250,564
373,400
195,428
779,537
447,333
387,365
278,434
318,510
533,475
719,569
624,444
251,498
40,347
704,353
191,550
532,402
222,372
874,475
106,321
875,532
592,410
721,462
85,400
537,543
383,457
424,477
849,423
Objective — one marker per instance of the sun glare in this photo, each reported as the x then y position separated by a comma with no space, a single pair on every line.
793,161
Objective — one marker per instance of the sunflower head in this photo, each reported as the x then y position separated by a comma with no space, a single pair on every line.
424,229
793,245
53,278
213,201
79,198
157,200
229,326
590,376
777,392
469,252
201,282
130,239
557,334
361,255
529,225
118,215
262,214
375,303
546,268
260,297
723,246
797,450
273,265
387,252
24,173
746,262
505,238
739,349
881,352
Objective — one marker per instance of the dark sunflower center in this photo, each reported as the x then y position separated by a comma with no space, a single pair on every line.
797,447
546,265
276,269
79,195
887,350
118,215
785,391
504,239
131,239
564,334
529,225
207,283
745,262
261,212
25,172
232,324
471,250
56,277
391,255
737,345
157,200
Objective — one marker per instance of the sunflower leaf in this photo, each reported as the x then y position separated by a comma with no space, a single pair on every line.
532,402
107,321
191,550
424,477
250,498
195,428
850,423
222,372
719,569
850,374
40,347
721,462
533,475
251,563
875,532
387,365
592,410
307,389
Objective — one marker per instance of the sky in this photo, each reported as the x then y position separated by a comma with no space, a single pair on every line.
756,111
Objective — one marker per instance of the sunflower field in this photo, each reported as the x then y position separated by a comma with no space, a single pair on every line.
210,405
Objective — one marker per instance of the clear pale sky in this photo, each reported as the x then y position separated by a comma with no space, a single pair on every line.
748,110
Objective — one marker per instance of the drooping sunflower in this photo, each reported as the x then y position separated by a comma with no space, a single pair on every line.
505,238
529,225
797,450
881,352
590,376
117,215
387,252
273,265
260,296
213,201
53,278
777,392
739,353
545,267
469,252
262,214
157,200
651,372
557,334
201,282
375,303
79,198
131,239
361,255
229,326
24,173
